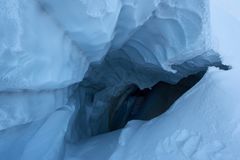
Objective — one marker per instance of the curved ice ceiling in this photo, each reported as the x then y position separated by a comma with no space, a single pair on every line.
68,70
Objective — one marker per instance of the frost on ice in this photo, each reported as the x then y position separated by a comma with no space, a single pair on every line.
119,80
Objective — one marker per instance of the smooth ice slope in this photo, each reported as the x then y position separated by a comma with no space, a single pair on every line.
202,124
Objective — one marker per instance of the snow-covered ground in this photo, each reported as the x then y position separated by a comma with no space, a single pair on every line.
71,71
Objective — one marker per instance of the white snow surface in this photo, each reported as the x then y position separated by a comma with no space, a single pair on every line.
64,65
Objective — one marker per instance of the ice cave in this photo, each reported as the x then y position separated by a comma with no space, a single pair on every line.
119,79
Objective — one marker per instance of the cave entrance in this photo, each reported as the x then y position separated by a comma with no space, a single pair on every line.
147,104
103,105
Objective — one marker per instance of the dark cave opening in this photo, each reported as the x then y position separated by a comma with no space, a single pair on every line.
110,96
129,103
147,104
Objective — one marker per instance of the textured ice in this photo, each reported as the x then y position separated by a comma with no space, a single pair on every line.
71,70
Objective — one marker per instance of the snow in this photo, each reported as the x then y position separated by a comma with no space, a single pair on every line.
72,71
33,46
198,126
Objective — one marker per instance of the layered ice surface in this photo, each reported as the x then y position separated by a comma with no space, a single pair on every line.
71,70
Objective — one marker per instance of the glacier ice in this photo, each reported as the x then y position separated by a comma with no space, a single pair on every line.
119,79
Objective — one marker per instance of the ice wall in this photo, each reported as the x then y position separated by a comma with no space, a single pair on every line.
65,66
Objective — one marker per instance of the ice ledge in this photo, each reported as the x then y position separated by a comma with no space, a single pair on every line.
59,47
